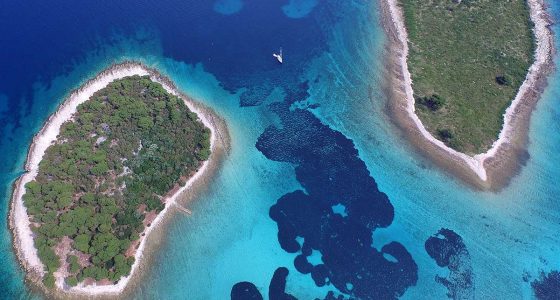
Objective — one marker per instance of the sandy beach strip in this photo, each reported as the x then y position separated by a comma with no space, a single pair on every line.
19,220
485,167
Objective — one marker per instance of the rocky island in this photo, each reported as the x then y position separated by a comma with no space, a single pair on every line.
101,174
464,77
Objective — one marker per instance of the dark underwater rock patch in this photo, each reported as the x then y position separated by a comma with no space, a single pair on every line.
277,288
255,95
547,287
448,250
245,291
331,173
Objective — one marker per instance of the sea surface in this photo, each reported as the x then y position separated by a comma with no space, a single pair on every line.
320,192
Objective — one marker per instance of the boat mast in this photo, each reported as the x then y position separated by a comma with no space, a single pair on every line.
279,57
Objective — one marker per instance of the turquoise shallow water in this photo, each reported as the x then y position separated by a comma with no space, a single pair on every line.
231,238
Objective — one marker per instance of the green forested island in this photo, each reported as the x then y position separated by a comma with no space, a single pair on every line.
467,59
105,178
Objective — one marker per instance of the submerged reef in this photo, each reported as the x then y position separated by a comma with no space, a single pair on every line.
332,175
547,287
448,250
335,213
245,291
277,289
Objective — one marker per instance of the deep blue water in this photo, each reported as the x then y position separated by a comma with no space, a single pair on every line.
320,194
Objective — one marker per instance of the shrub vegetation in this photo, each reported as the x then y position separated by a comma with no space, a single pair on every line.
474,54
126,147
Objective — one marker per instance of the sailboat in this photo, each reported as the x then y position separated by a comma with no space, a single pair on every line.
279,57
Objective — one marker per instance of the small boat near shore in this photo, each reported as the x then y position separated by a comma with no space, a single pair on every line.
279,56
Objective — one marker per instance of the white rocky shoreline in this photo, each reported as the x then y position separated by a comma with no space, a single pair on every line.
478,163
18,217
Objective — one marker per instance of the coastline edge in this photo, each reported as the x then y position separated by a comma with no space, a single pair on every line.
494,168
18,219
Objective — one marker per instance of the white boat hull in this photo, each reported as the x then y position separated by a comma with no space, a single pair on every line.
278,57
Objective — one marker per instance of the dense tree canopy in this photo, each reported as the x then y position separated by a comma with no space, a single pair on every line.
126,147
